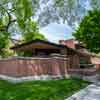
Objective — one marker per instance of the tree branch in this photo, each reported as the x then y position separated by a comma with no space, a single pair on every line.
10,19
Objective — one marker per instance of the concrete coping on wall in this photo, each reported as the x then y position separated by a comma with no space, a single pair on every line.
30,78
33,58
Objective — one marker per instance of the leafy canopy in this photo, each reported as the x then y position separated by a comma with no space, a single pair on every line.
65,11
16,17
17,12
32,32
89,31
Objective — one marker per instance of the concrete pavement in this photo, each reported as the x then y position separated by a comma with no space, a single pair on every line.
92,92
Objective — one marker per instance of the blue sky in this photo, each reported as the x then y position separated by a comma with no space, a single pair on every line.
55,32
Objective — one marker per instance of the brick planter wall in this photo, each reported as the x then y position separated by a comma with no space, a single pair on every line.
18,67
21,69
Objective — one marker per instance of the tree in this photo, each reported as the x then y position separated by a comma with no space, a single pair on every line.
32,33
5,43
15,18
60,11
70,12
16,11
88,31
95,4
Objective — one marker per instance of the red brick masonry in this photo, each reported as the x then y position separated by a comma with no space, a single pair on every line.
22,67
83,72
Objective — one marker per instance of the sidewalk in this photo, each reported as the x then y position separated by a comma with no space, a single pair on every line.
92,92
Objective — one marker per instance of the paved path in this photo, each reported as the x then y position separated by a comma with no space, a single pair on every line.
92,92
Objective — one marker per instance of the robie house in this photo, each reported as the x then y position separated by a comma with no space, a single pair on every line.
78,55
46,60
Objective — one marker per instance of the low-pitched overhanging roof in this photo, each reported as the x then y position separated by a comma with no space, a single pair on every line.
38,42
51,44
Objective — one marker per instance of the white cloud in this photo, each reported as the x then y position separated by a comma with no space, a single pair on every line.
55,32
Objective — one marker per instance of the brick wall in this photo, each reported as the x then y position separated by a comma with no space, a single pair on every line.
70,43
53,66
18,67
96,61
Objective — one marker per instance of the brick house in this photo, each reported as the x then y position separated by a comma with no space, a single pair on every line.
49,60
77,53
82,54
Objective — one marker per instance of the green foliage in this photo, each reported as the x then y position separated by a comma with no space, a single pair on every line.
33,36
32,32
95,4
40,90
4,40
89,31
60,11
5,43
25,53
23,12
18,14
23,9
65,11
4,53
12,11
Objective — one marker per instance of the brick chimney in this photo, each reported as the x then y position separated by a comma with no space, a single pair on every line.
69,43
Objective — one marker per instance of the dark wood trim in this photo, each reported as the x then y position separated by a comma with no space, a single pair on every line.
38,41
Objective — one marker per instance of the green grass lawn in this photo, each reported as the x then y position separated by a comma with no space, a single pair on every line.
40,90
